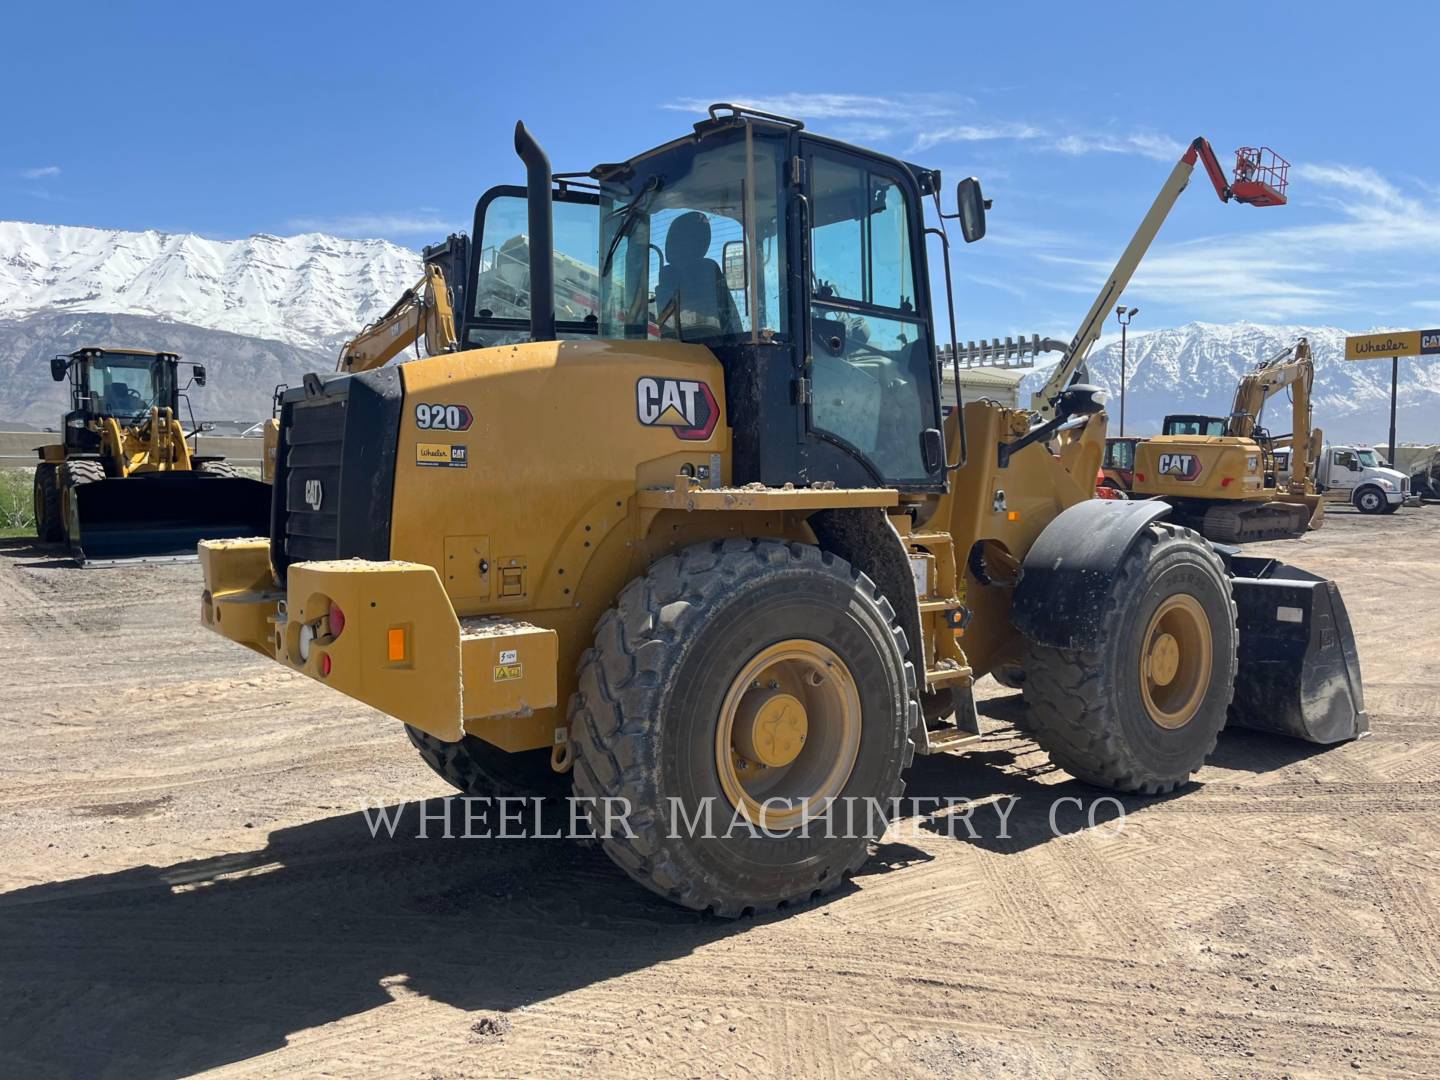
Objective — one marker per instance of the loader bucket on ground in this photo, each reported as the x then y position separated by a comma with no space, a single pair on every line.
164,515
1299,671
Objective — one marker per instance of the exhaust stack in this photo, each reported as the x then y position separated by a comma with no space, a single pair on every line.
542,235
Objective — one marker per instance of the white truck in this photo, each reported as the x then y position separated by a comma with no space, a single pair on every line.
1360,476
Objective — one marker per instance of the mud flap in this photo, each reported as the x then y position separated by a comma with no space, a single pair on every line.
1299,672
164,515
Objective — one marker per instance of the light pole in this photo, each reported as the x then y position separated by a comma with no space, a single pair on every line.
1123,315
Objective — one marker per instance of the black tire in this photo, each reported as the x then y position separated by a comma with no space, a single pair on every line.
1390,507
476,767
1087,708
49,526
1369,499
73,474
217,468
645,721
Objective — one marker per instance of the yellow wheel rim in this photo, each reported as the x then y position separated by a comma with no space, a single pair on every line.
1176,662
789,733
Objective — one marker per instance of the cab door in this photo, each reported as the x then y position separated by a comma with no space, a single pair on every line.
870,361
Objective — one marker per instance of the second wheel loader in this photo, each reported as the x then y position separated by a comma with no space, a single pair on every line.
124,482
710,551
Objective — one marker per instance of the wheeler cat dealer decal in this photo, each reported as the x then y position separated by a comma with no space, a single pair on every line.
1180,466
440,455
686,406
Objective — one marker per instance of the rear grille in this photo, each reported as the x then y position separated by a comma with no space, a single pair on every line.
335,469
315,440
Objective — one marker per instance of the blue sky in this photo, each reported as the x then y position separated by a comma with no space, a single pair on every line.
381,120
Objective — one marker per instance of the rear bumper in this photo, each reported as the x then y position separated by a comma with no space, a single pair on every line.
402,649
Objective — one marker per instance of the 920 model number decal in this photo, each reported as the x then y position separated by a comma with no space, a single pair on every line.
443,417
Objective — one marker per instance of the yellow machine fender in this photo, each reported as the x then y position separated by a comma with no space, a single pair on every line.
1069,570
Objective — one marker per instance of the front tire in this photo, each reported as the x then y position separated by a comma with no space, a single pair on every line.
1142,710
73,474
1370,500
754,678
217,468
49,524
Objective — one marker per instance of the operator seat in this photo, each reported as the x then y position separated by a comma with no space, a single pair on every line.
693,285
117,397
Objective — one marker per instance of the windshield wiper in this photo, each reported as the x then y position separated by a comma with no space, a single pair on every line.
631,210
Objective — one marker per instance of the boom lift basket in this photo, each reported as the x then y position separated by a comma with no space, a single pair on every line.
1261,177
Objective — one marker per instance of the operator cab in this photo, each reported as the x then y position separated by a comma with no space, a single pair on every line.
124,384
1188,424
799,261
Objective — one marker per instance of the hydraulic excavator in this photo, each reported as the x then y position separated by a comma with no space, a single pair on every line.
701,547
1220,473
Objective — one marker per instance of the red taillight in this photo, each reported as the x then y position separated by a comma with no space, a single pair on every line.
1226,481
1140,476
325,664
337,620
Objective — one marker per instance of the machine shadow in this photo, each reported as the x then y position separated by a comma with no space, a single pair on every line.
170,970
989,775
43,555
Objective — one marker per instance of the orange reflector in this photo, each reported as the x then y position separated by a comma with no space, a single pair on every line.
1013,515
395,643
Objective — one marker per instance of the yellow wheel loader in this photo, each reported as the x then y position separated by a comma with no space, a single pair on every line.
124,482
709,557
1220,473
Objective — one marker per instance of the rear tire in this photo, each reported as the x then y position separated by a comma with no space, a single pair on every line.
476,767
1370,500
665,697
217,468
73,474
1142,710
49,525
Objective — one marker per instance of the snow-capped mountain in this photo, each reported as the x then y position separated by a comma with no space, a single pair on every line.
267,309
1194,369
308,291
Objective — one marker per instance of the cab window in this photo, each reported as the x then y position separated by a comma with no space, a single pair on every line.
500,301
692,247
872,377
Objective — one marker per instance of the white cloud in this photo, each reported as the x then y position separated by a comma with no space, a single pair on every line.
828,106
1144,144
44,172
373,225
976,133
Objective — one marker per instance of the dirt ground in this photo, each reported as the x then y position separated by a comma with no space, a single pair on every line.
187,883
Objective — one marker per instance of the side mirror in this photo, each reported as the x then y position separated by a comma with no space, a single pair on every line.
972,207
59,367
198,370
732,255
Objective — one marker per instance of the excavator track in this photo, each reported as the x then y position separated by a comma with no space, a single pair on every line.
1238,523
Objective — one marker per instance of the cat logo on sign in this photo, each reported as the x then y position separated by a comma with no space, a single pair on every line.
1180,466
686,406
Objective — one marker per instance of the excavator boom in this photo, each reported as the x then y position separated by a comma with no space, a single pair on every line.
423,310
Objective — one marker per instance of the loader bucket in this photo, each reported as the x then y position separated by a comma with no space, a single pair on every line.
164,515
1299,672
